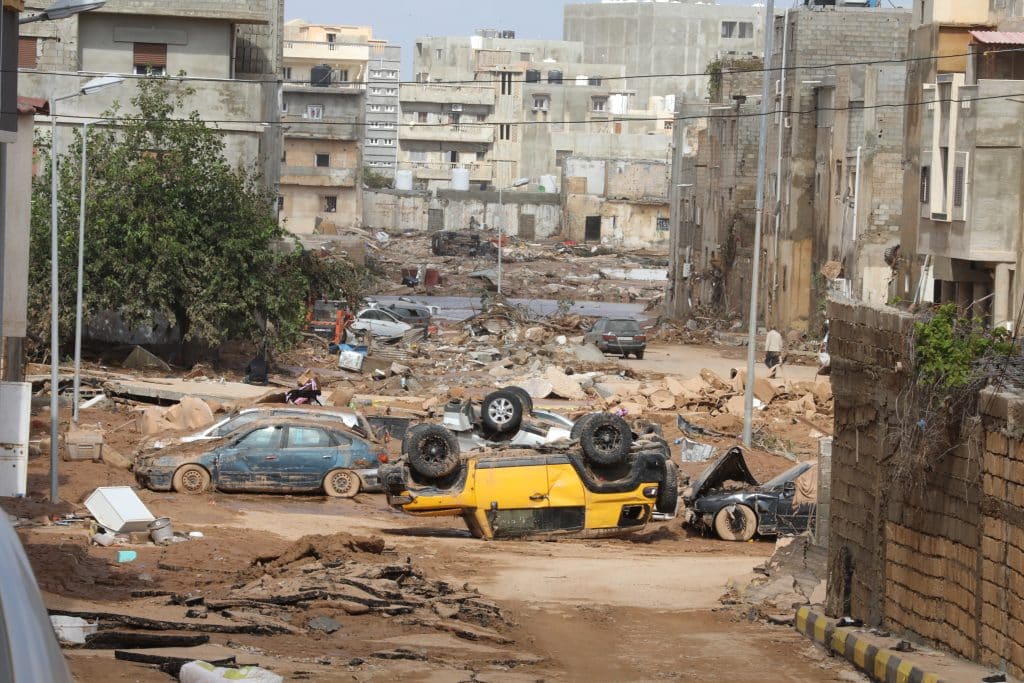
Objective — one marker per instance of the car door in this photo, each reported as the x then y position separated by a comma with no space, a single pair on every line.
391,326
250,462
309,453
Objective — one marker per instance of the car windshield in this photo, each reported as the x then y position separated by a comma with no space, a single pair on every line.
235,423
623,327
789,475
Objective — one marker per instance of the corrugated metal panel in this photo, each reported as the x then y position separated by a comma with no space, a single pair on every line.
27,52
150,54
998,37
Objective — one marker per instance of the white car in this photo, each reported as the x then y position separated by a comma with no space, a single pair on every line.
380,323
246,416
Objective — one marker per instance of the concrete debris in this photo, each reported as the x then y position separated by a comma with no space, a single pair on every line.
564,386
142,360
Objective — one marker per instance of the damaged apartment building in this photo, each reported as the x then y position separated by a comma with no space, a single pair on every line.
231,49
834,171
961,240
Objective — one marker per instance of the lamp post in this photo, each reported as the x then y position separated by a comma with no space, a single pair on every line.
92,86
501,222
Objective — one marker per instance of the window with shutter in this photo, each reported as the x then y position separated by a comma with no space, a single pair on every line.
150,58
958,187
926,178
27,52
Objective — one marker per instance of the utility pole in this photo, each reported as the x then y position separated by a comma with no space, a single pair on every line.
755,272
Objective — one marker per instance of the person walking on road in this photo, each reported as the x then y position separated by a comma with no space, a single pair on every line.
773,346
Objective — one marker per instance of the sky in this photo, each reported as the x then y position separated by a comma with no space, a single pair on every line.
401,22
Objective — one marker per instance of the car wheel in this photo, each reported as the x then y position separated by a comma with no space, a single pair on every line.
639,355
606,439
341,483
577,427
191,479
524,399
502,411
668,491
432,451
736,523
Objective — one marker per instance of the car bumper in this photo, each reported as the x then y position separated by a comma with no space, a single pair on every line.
154,479
618,347
371,482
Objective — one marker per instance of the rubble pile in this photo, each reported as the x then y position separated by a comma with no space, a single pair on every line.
793,576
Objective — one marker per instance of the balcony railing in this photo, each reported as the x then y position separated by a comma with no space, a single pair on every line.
318,176
479,171
479,134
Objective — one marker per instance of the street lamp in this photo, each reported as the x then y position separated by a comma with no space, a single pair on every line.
501,221
90,87
62,9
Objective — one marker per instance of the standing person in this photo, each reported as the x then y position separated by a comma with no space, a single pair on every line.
773,346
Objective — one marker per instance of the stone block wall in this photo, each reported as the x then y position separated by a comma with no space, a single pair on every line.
944,564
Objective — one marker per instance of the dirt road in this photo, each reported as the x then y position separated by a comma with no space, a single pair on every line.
687,361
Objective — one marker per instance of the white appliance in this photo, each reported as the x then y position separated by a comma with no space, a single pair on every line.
15,407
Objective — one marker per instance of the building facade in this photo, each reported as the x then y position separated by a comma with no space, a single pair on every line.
380,143
233,49
675,40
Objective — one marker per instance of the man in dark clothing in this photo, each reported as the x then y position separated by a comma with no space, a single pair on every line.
256,370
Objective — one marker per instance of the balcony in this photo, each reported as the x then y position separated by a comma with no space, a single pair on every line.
447,94
324,51
480,134
318,176
343,128
335,88
479,172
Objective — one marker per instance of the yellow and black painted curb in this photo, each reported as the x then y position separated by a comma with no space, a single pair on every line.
880,664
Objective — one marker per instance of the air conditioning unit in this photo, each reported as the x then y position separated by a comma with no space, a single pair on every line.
778,86
787,122
456,107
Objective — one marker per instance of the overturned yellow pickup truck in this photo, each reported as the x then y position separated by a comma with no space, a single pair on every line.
605,480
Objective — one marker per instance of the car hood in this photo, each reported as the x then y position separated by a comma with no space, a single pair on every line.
729,467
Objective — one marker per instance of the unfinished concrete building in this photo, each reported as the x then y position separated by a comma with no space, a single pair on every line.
833,191
234,48
962,192
676,40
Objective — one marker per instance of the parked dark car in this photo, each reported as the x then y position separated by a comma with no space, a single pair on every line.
284,455
619,336
782,506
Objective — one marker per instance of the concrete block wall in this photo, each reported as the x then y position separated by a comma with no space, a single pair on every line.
944,563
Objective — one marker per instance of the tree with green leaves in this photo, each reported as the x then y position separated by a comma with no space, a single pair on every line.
173,232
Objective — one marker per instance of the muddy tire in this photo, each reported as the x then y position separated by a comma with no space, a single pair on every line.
432,451
341,483
502,411
606,439
668,491
577,427
639,355
191,479
736,523
524,399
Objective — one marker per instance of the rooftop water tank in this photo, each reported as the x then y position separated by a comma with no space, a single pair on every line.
533,75
403,180
460,179
554,76
320,75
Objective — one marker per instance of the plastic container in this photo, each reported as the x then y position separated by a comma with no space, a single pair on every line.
83,446
160,530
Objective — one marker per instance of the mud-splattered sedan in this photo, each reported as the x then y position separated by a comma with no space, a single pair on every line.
269,456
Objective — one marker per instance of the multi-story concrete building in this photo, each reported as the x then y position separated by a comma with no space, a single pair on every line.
232,49
380,144
675,40
962,193
325,79
543,104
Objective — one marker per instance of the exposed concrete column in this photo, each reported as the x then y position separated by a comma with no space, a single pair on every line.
947,292
1001,301
964,291
978,292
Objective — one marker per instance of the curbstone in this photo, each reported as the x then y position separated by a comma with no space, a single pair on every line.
879,664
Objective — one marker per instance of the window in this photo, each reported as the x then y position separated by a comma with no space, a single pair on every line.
384,92
308,437
323,160
746,29
381,142
669,125
505,131
384,74
560,156
926,181
266,438
506,82
439,53
381,108
314,112
958,186
541,102
662,225
342,75
599,103
330,203
280,203
421,117
284,155
838,180
728,29
284,106
287,73
150,58
525,56
382,125
28,52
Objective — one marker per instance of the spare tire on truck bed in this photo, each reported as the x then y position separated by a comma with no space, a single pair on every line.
432,451
606,439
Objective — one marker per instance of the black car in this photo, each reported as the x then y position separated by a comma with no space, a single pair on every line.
619,336
783,506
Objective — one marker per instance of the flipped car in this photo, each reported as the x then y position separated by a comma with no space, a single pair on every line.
246,416
504,416
282,455
784,505
621,336
605,483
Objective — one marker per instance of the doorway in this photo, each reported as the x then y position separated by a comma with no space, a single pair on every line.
593,229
